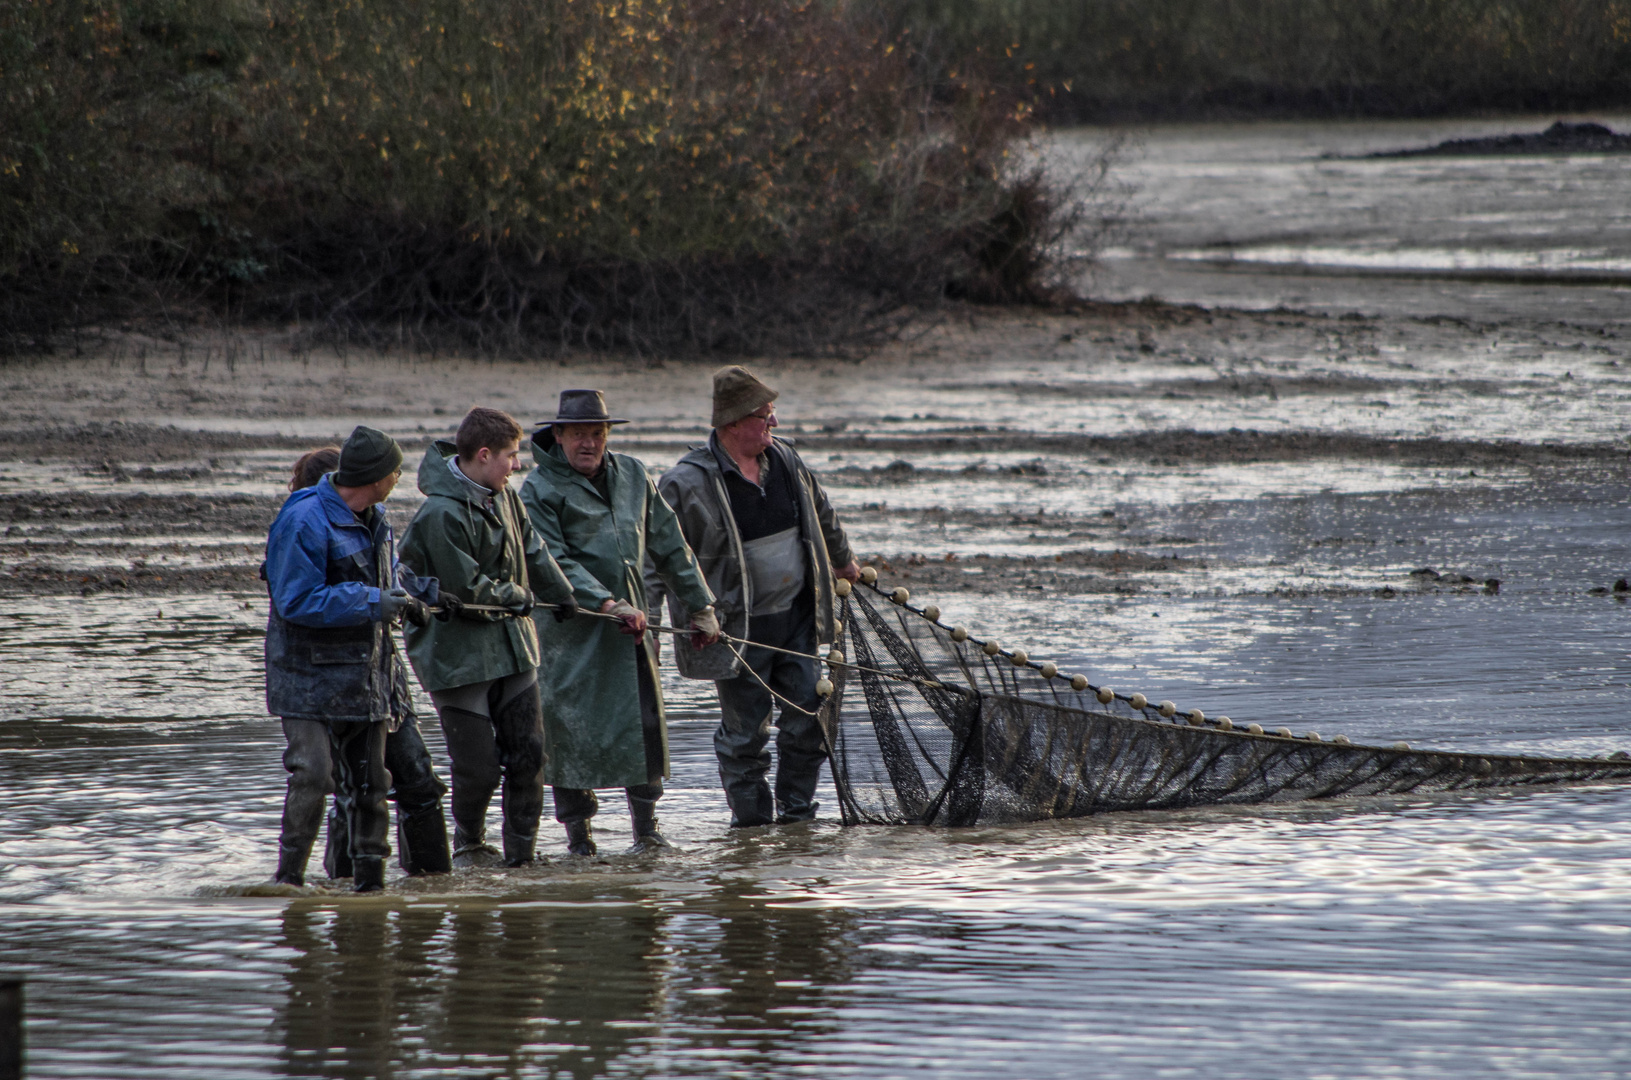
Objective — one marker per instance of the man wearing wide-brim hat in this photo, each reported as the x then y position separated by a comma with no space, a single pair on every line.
601,516
771,546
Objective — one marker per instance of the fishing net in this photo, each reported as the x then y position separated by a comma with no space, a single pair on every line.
929,730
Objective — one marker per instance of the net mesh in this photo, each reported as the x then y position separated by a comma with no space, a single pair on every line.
926,730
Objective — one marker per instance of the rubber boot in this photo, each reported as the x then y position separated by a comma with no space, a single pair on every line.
519,848
291,864
421,839
469,851
368,873
648,833
580,838
337,855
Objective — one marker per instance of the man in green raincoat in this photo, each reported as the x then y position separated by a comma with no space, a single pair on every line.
601,516
481,667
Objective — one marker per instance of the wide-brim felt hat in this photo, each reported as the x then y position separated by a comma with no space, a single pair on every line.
583,407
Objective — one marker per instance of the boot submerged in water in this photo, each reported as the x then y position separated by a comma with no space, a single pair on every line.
421,838
473,851
337,853
580,839
648,831
368,873
291,864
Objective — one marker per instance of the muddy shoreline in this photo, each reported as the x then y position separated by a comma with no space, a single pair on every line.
1022,452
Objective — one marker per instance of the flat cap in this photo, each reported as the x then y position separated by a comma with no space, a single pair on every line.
737,392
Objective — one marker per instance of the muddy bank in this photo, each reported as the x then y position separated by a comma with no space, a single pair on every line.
1103,451
1561,138
127,453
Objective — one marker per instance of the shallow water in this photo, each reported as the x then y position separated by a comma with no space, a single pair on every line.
140,784
1260,215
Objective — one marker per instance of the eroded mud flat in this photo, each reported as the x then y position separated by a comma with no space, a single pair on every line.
1380,525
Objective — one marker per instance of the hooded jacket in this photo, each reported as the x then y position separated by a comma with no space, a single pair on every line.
592,719
475,551
695,488
329,654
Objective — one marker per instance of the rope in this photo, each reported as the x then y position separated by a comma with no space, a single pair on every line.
730,641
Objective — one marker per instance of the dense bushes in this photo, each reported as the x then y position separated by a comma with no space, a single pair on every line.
513,174
1111,59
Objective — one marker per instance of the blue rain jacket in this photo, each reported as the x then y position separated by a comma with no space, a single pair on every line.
329,656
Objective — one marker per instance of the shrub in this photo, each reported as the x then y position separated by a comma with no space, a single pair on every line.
513,174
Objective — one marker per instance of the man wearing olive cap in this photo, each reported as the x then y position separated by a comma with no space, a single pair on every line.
770,546
332,668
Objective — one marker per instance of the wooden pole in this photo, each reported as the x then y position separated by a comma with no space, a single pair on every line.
11,1028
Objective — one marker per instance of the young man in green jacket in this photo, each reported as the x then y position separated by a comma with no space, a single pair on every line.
603,520
481,668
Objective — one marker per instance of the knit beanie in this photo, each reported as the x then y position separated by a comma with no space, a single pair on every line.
737,393
368,455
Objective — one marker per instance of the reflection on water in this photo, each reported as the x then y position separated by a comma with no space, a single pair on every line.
1280,197
1435,937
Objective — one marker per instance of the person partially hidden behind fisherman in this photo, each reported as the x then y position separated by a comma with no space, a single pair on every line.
421,830
770,545
333,673
481,667
602,518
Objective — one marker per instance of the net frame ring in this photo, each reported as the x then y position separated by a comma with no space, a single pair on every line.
1049,669
824,687
1020,657
932,613
1196,717
869,575
842,588
1167,709
1104,693
900,596
991,648
959,633
1139,702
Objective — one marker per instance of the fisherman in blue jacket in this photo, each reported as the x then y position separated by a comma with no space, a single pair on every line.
333,673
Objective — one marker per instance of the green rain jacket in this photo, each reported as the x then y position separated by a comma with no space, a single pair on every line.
592,721
472,550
